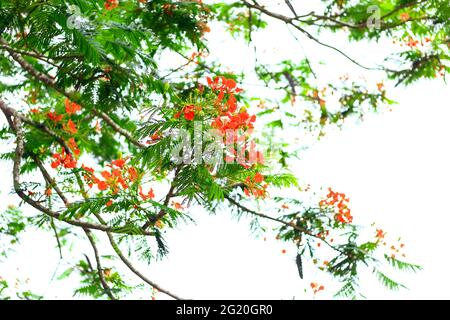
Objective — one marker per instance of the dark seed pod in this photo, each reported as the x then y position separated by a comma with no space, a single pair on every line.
298,260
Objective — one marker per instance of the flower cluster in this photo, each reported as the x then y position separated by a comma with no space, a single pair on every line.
111,4
235,125
71,107
394,249
339,203
253,186
226,88
63,159
118,176
229,121
188,112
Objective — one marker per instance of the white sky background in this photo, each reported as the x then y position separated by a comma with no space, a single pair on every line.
394,166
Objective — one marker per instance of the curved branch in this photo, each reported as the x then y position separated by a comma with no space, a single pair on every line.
105,285
290,21
137,272
50,82
289,224
16,122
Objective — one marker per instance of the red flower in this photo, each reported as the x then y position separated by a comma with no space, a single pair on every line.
380,234
258,178
223,84
71,107
149,195
133,174
71,127
188,112
109,203
54,116
111,4
66,160
155,136
73,146
120,163
102,185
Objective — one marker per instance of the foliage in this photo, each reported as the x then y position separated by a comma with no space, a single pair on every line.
104,120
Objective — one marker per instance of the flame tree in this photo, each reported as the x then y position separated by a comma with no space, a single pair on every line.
96,123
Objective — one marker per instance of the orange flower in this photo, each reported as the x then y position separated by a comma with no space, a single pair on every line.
120,163
177,205
71,127
109,203
316,287
133,174
48,192
380,234
380,86
283,251
111,4
258,178
404,16
155,136
54,116
73,146
71,107
339,202
149,195
102,185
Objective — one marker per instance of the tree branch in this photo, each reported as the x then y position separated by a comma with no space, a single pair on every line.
50,82
103,282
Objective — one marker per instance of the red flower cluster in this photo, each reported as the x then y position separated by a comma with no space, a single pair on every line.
253,188
228,121
111,4
225,87
54,116
63,159
188,112
70,127
119,176
339,201
71,107
148,195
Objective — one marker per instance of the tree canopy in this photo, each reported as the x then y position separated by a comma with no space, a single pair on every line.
106,137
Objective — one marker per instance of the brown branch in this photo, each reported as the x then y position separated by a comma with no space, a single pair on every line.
170,194
137,272
17,127
291,21
289,224
103,282
50,82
